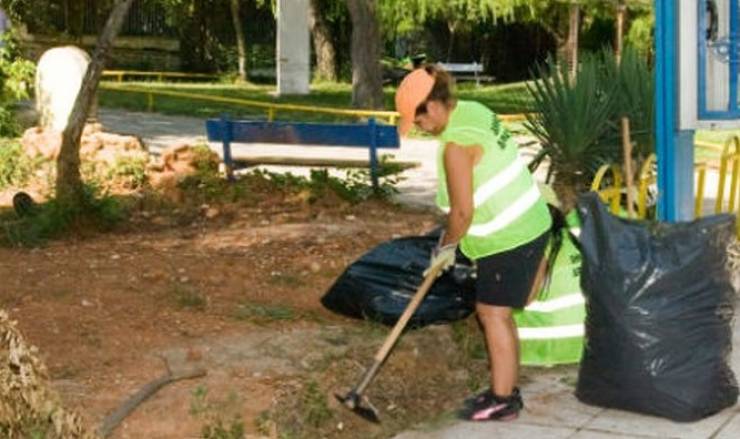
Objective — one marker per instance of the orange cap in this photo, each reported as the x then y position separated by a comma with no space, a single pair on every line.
412,91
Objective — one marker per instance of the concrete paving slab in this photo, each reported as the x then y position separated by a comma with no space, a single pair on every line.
592,434
549,400
731,430
617,421
481,430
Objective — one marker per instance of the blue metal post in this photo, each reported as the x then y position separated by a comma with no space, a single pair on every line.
733,55
674,148
372,125
226,130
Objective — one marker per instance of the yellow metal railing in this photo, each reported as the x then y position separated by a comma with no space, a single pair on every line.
611,194
271,109
119,75
727,192
729,160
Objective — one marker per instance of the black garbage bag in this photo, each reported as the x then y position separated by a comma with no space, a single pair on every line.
380,284
660,305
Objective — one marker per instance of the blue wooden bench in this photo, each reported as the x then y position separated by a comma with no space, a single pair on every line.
370,135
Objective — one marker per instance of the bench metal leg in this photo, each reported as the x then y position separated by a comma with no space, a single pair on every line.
228,160
373,153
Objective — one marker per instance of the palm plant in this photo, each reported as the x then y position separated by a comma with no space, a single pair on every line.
571,118
634,100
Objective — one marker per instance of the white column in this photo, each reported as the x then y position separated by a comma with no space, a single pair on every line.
293,47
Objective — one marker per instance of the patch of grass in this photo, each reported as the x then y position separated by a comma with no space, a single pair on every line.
503,99
188,297
221,419
314,408
97,212
264,424
290,280
717,137
207,185
263,313
513,98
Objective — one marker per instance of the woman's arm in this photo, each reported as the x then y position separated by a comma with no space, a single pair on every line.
459,162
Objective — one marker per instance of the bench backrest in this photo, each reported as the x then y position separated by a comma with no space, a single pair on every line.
462,67
292,133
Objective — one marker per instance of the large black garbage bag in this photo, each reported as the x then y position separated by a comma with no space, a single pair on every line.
659,304
380,284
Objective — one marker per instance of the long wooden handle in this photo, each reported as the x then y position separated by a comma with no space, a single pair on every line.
408,312
628,173
399,327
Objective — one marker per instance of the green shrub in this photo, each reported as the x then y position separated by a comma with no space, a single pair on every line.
354,186
577,120
130,171
98,212
16,75
16,167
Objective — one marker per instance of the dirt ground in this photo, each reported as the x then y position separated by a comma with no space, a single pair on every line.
234,289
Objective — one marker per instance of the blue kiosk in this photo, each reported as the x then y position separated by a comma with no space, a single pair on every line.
697,65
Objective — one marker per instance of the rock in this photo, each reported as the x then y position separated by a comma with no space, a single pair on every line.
39,142
315,267
212,213
86,303
185,160
95,144
166,183
176,164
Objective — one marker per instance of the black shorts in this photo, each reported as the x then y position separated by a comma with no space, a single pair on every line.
505,279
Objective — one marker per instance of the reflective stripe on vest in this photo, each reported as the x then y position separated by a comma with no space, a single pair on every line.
498,183
551,329
560,303
495,184
552,332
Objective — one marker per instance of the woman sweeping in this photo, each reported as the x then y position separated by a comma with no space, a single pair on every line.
495,215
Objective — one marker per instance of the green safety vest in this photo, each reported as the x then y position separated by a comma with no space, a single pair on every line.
551,328
509,209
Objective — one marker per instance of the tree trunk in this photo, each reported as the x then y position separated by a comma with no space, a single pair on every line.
68,180
326,54
572,44
367,75
241,45
621,15
452,27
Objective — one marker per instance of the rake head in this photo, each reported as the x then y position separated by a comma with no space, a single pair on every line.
354,401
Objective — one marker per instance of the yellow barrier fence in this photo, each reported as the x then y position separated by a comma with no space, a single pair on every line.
727,192
119,75
271,109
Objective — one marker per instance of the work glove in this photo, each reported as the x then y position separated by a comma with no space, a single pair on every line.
443,256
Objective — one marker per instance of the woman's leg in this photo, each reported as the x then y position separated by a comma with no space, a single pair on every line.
502,342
